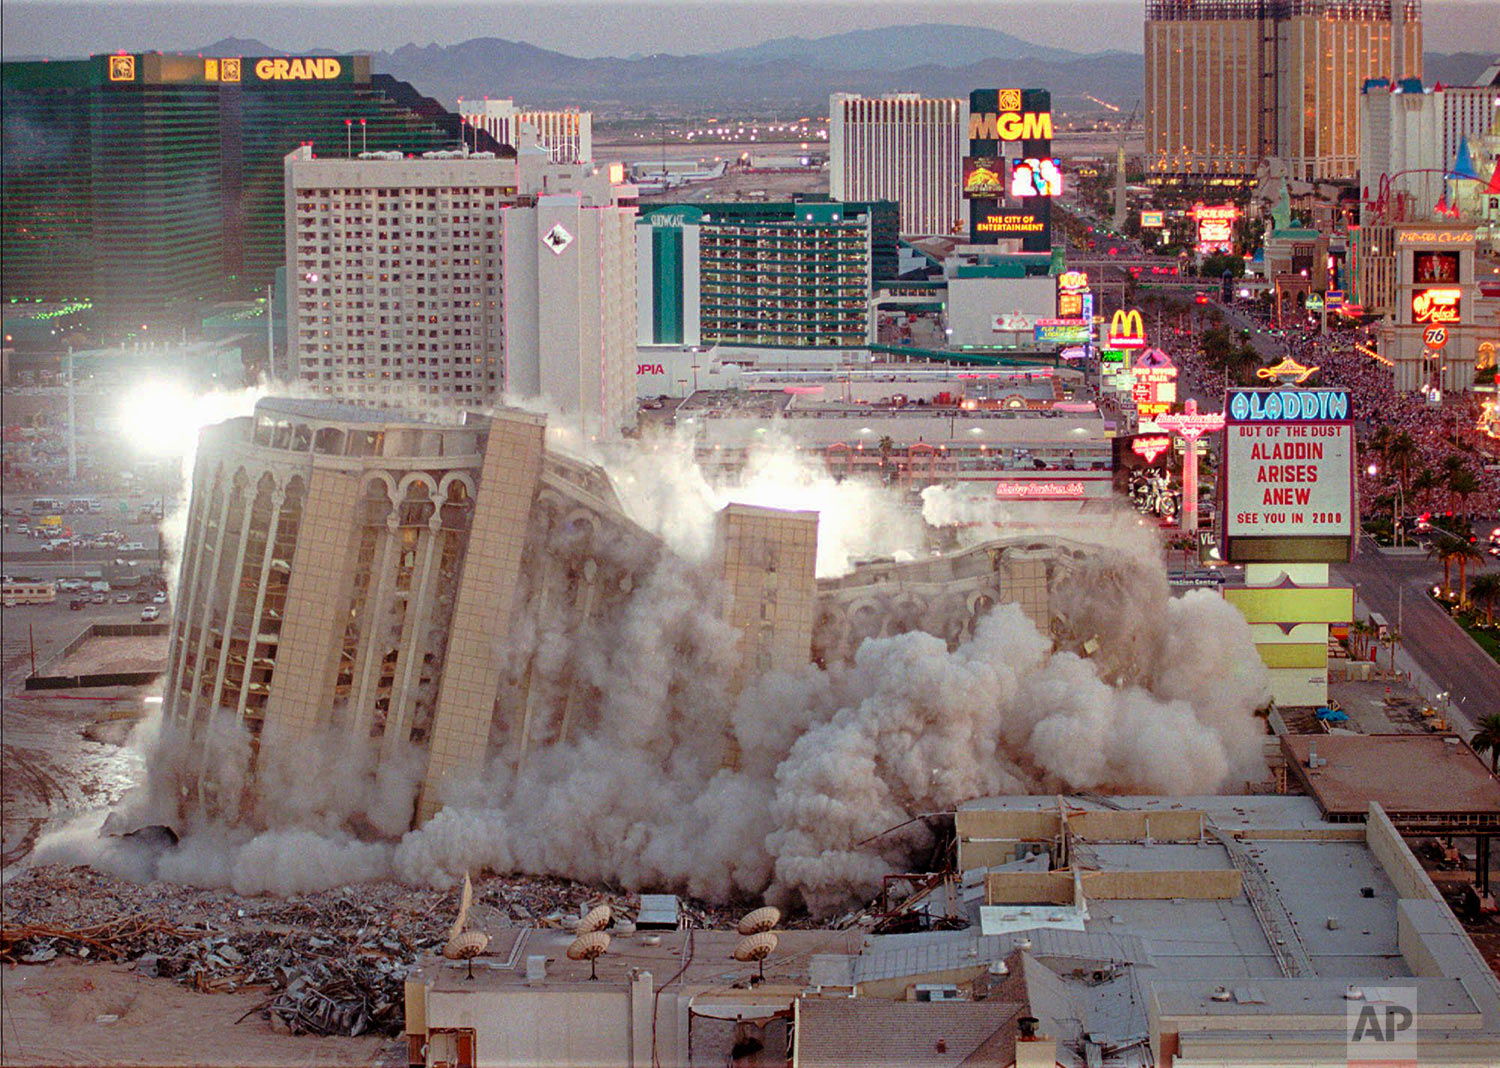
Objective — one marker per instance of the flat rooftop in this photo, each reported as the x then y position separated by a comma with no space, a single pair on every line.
1412,776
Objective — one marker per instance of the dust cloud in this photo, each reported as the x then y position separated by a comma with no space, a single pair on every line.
797,788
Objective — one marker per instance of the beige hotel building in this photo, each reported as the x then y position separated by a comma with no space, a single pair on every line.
1232,82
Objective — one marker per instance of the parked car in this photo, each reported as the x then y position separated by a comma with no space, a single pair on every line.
150,613
123,598
77,602
159,598
98,598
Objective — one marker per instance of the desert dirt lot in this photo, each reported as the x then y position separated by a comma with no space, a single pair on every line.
66,1012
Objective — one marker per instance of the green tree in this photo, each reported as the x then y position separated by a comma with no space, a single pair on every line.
1445,548
1465,553
1422,484
1487,739
1484,590
1400,453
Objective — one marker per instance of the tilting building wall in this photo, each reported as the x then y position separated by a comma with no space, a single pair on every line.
453,594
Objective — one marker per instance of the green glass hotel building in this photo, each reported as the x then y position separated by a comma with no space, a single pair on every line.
765,275
153,182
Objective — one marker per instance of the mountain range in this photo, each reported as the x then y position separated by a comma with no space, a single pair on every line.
789,72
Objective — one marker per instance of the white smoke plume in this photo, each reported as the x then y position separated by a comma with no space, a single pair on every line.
1133,691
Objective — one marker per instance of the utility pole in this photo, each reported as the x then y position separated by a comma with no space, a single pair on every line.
270,330
72,423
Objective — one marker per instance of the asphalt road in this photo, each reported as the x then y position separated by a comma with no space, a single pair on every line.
1438,646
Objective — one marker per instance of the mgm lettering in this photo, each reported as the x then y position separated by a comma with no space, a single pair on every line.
1007,125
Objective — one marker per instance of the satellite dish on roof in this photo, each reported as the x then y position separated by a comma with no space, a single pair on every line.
762,919
465,945
756,947
589,947
596,919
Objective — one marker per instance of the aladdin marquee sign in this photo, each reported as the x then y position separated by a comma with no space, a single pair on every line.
1288,405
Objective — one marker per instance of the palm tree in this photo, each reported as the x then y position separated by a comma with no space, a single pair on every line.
1445,548
1399,455
1422,485
1460,485
1485,590
1487,739
1464,553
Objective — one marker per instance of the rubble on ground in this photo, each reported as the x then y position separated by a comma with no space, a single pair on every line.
332,963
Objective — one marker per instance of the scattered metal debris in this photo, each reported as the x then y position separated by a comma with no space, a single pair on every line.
332,963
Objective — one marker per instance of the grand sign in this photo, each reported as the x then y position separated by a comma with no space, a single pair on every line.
316,68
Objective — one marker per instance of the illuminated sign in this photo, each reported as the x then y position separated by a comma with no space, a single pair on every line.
1149,446
320,68
1063,331
1010,223
650,369
1127,330
1435,337
1032,177
1112,356
1435,237
1154,387
1314,302
1011,322
1289,480
1072,287
1436,305
1011,126
229,70
1153,220
1334,299
984,176
1215,226
1039,490
122,68
1287,368
1192,425
1288,405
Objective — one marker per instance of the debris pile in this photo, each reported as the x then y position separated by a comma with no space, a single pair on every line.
332,963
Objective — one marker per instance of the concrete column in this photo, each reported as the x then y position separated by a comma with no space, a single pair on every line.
278,501
235,594
206,599
413,637
376,610
182,621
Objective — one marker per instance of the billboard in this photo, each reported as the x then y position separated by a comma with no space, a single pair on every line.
1438,304
1427,267
1000,223
1215,226
1063,331
984,176
1005,124
1034,177
1153,220
1289,476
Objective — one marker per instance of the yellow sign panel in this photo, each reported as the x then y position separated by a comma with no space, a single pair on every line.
298,70
229,70
1011,126
1435,237
211,70
122,68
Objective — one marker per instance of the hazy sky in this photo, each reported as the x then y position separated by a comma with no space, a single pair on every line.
61,28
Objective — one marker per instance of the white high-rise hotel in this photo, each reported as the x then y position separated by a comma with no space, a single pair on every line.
567,134
901,147
457,278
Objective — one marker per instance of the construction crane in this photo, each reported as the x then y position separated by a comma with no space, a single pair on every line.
1118,221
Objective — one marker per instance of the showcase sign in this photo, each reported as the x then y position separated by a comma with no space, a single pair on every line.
984,177
1010,126
1062,331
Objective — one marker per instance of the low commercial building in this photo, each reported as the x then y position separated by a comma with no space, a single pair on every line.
1191,932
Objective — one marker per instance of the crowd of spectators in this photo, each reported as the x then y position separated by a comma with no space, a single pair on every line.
1437,431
